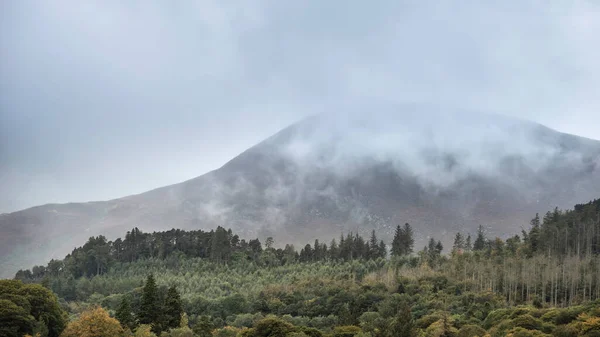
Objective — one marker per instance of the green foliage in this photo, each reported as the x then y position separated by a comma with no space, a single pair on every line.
173,309
29,308
125,314
403,241
178,332
527,322
565,331
15,321
144,330
150,308
346,331
232,287
271,327
203,327
471,330
403,325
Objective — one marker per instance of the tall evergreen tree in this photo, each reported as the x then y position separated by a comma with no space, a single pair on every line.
439,248
150,308
221,246
382,249
468,245
534,233
374,251
479,243
397,242
408,240
173,309
459,242
333,250
125,315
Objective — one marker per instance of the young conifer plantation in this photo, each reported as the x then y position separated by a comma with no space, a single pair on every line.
544,281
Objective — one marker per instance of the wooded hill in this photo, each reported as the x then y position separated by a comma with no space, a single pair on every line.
350,281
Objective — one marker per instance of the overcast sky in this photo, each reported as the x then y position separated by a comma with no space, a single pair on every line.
101,99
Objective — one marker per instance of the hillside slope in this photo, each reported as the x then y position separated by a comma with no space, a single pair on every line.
442,171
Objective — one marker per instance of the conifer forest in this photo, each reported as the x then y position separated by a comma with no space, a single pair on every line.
544,281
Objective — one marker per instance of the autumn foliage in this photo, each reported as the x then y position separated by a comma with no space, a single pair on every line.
94,323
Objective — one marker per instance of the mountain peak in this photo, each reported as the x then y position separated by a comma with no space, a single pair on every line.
366,168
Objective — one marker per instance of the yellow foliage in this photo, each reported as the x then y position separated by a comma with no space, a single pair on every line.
144,330
227,331
438,329
589,324
94,323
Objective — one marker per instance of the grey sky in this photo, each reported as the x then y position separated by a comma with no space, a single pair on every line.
101,99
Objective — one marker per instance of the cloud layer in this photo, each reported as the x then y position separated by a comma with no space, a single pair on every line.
101,99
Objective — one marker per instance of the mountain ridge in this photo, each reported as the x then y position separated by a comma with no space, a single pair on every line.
333,173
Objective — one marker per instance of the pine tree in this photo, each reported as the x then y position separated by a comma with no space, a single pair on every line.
374,251
382,249
397,242
269,242
479,243
220,245
317,251
439,248
459,243
408,241
534,234
125,315
333,250
173,308
150,305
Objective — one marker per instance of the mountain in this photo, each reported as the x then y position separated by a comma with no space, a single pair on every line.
368,167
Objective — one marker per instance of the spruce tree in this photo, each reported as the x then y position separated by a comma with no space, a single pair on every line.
173,309
333,250
382,249
534,234
397,242
479,243
439,248
374,251
150,305
125,315
459,243
408,240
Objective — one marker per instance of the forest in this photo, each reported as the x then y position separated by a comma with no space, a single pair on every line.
544,281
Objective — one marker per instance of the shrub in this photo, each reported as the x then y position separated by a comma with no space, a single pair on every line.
272,327
565,331
527,322
567,316
521,332
471,331
346,331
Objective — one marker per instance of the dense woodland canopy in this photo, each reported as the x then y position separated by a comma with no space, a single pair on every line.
544,281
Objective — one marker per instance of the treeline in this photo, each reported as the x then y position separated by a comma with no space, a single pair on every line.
98,254
348,287
534,266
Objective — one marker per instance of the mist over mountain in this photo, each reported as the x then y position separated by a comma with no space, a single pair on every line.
365,167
